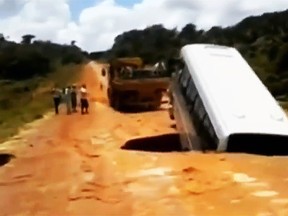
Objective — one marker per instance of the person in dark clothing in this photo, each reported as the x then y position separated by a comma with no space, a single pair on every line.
84,99
74,98
56,98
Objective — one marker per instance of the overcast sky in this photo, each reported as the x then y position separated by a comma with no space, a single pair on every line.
95,23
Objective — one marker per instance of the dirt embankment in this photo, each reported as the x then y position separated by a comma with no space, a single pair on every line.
74,165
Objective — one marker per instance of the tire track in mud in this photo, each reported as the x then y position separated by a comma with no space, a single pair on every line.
131,187
16,180
102,180
107,184
97,181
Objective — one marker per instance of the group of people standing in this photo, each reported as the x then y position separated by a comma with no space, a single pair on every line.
69,96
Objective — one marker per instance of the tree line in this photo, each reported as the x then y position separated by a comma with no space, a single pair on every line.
32,57
262,40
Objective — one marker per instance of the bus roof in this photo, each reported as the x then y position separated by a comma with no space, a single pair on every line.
231,91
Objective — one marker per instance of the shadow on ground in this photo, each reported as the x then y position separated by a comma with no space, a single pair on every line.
259,144
133,110
171,143
161,143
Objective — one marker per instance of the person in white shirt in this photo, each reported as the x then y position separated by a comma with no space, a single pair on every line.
67,99
84,99
56,92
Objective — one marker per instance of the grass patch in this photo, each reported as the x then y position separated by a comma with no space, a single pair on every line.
25,101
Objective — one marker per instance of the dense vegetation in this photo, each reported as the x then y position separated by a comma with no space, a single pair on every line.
37,58
261,39
28,71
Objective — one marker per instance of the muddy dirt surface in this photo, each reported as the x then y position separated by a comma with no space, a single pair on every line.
88,165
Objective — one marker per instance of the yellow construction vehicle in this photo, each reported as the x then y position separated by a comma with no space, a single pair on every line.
131,84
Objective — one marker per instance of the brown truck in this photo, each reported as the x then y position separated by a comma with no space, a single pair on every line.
131,84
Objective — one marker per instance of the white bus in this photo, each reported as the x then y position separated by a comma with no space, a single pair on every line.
218,97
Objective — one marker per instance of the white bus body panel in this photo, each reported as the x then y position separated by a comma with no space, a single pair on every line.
236,100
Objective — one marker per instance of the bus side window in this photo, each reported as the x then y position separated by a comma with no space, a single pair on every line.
199,108
181,78
191,92
207,123
202,112
197,105
186,77
186,95
179,75
184,80
187,86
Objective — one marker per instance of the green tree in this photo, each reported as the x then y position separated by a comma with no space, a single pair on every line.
2,38
27,39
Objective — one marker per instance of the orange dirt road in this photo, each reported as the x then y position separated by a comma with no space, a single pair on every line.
74,165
